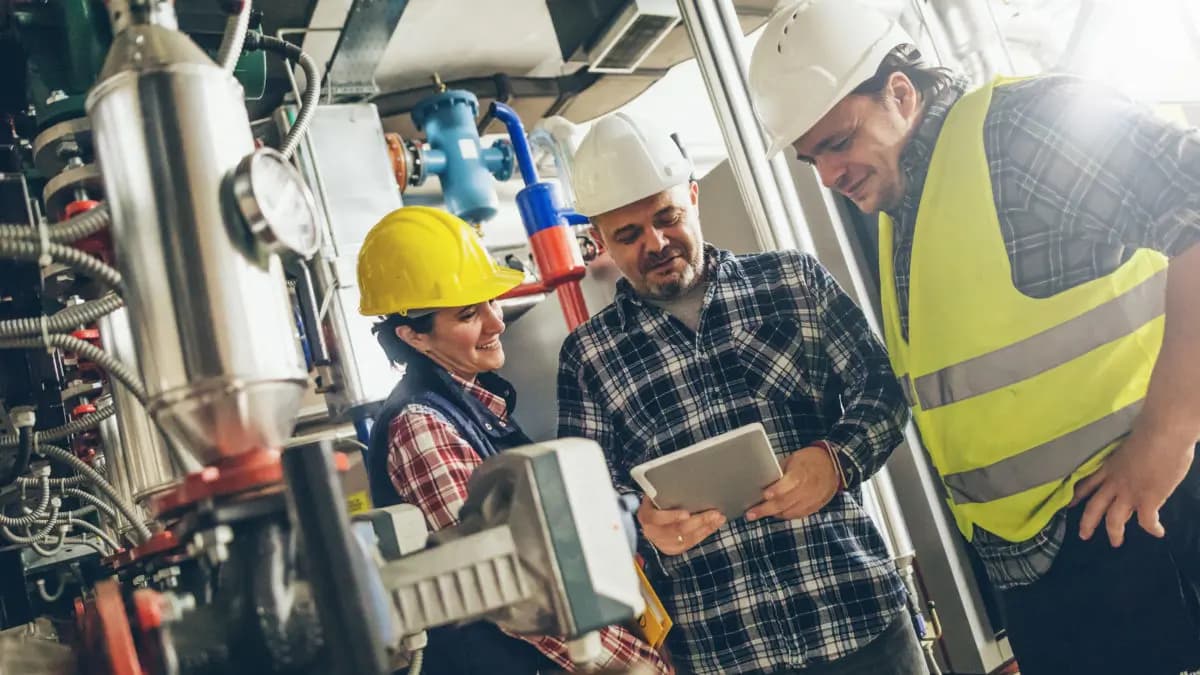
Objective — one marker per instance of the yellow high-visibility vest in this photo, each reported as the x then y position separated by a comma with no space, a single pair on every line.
1017,398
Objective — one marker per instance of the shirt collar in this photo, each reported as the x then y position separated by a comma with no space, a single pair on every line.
916,156
495,403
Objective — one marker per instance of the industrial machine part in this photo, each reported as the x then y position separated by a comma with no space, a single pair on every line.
548,224
275,204
542,548
236,390
455,155
344,157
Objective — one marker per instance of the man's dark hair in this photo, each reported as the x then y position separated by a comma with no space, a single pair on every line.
906,58
398,351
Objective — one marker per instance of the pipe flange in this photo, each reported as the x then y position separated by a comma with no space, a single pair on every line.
60,190
55,146
508,159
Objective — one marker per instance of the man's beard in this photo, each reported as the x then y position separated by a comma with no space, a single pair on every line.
677,286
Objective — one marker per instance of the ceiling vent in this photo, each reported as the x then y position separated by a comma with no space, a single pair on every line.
632,35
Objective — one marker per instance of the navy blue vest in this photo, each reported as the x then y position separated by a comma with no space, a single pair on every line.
478,648
431,386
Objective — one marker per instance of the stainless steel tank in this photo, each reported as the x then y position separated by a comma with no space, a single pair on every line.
210,312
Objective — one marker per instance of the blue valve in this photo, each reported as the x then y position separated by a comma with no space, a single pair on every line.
458,158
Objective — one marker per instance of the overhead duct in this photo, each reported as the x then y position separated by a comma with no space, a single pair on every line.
632,35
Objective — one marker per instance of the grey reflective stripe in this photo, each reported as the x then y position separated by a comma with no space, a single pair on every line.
1053,347
906,387
1041,464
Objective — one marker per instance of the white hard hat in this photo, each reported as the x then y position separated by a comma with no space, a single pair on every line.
810,56
622,160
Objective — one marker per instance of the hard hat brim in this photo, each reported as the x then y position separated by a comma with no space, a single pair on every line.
503,281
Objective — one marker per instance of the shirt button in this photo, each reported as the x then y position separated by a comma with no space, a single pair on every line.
487,426
502,425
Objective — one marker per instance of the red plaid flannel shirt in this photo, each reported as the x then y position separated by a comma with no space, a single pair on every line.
429,464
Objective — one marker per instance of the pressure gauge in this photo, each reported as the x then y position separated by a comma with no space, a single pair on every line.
276,204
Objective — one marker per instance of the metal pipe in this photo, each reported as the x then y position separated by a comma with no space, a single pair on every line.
722,67
234,38
574,307
337,569
516,132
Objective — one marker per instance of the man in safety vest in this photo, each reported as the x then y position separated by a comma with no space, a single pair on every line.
1035,236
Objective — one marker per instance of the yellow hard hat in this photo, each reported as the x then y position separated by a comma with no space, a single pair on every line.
419,257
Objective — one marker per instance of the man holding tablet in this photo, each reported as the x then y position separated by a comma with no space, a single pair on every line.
699,342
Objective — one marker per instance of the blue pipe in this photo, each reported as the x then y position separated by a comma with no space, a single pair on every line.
574,218
516,132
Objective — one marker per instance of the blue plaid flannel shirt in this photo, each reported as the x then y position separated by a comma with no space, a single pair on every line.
780,343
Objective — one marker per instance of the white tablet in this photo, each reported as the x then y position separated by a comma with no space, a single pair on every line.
727,472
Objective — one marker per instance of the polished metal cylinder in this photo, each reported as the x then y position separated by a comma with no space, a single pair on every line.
137,456
210,312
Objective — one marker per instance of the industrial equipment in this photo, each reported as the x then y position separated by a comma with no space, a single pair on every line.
172,291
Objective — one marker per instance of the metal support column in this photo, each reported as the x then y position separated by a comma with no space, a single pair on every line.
766,186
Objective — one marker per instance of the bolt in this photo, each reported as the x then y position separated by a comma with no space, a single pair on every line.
24,416
67,148
212,543
168,576
56,96
173,605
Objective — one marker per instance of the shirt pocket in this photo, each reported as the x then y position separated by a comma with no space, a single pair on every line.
774,361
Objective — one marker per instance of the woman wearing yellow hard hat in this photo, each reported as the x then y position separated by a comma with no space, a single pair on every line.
428,277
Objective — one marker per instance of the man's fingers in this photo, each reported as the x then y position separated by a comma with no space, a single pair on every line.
703,529
677,538
1148,519
1119,513
648,515
1085,487
771,507
1094,511
780,487
706,521
799,505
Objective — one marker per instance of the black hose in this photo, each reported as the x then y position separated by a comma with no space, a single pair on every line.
312,90
26,440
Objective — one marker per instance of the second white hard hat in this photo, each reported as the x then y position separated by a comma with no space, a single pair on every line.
622,160
810,56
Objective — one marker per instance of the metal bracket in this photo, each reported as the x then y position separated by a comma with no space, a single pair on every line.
364,38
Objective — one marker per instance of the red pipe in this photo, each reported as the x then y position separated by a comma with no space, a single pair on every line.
574,307
561,266
531,288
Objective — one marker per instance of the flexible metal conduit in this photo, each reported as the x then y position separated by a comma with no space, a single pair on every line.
117,369
312,90
83,225
55,453
234,38
65,320
25,249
